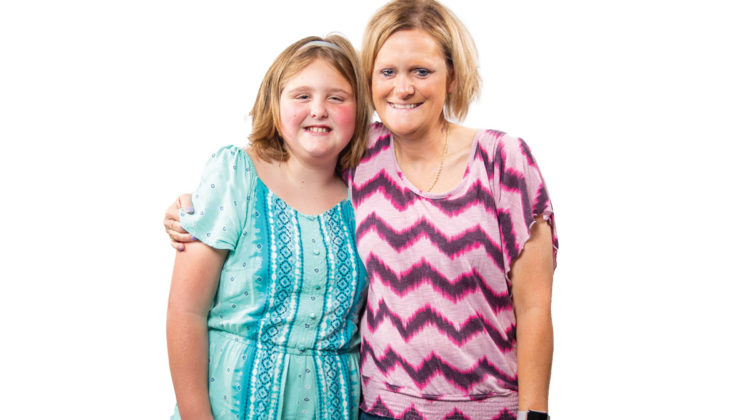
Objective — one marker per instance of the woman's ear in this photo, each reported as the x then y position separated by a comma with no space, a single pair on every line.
451,81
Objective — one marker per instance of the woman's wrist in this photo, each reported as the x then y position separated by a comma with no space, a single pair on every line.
533,415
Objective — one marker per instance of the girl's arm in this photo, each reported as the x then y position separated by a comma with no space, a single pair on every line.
531,282
194,282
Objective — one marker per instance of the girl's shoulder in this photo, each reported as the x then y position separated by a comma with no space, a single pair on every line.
222,198
233,155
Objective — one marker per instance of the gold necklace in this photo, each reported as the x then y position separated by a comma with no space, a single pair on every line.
442,161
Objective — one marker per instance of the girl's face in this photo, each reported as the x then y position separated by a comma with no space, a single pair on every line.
318,111
410,80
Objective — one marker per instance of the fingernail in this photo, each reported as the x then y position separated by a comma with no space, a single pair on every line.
194,238
189,210
181,248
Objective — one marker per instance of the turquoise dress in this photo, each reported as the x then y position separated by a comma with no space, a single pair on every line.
282,332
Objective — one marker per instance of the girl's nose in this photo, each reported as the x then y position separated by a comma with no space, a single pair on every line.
318,109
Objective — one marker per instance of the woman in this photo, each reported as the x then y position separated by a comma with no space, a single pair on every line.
456,231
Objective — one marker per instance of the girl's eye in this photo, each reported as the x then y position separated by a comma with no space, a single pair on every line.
337,99
303,97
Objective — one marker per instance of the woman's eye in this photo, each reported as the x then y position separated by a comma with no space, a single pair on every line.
387,72
422,72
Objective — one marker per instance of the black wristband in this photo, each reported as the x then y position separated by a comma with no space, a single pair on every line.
536,415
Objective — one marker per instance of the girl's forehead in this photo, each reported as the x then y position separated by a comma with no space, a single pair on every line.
318,71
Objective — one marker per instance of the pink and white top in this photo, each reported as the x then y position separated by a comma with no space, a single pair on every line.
438,334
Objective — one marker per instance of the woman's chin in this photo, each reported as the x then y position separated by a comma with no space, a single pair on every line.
400,129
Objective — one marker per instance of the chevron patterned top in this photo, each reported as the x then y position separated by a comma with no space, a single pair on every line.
438,334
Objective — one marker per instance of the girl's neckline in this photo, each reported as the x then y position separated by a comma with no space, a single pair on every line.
453,190
276,196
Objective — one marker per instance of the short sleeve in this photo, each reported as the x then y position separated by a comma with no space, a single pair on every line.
522,197
221,199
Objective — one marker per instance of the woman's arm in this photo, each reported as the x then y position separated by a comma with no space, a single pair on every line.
194,282
177,234
531,280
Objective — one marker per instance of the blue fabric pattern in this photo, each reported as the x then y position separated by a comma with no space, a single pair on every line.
283,337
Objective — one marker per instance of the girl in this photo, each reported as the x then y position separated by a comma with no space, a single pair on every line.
263,309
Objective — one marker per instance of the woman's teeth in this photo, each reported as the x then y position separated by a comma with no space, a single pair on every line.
318,129
404,106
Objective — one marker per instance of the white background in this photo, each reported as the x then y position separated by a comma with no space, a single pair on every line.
637,112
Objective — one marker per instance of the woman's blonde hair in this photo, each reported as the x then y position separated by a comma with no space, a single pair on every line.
265,139
452,36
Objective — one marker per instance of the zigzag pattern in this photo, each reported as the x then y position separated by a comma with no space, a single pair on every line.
398,197
513,180
510,246
517,183
451,247
380,409
378,146
401,198
505,415
454,249
426,316
423,273
526,152
433,365
490,164
458,415
541,200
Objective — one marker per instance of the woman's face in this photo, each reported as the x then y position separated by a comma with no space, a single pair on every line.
410,80
318,112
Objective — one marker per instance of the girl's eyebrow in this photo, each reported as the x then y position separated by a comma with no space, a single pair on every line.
299,89
344,91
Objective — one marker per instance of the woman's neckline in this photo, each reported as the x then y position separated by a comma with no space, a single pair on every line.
438,195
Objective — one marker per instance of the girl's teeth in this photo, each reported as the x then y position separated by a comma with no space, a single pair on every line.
318,129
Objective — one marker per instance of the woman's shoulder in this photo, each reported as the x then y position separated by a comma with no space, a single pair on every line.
496,144
497,138
378,130
378,141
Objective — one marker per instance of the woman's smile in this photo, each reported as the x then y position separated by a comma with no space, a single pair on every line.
403,106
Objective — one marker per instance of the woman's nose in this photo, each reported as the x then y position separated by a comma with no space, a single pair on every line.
404,86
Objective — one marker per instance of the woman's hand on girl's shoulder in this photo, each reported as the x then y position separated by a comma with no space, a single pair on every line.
176,233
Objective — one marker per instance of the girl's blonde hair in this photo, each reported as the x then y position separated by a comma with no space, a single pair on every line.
265,139
452,36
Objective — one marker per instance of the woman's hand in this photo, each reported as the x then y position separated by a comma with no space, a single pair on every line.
177,234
